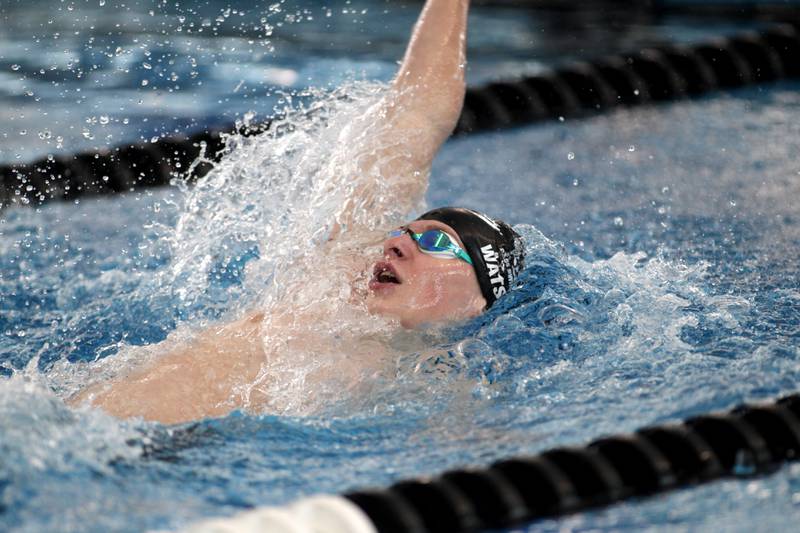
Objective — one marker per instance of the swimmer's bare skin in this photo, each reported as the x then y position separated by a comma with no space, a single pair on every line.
422,106
191,381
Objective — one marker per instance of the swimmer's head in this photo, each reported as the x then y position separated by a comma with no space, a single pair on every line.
419,287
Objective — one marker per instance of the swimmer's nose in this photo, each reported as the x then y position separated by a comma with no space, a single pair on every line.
398,247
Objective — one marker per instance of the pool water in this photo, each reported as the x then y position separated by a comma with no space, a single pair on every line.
662,282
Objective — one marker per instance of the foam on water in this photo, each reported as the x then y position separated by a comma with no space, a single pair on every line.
571,319
270,201
41,433
43,437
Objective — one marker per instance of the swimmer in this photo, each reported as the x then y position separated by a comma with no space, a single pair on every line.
449,264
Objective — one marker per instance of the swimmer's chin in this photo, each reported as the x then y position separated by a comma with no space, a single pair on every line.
418,320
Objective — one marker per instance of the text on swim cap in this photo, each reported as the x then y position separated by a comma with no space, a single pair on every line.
490,257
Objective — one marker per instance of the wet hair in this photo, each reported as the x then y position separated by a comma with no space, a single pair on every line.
496,250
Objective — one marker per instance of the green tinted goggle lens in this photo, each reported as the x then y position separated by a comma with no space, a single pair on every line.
435,242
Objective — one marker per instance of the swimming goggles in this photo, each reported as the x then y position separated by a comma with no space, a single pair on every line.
435,242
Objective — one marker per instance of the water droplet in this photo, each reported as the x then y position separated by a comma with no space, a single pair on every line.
125,120
733,203
87,134
105,178
631,148
571,156
147,65
154,139
144,84
618,221
15,67
745,464
23,132
102,3
104,119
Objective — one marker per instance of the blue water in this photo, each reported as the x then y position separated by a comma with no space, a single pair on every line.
662,282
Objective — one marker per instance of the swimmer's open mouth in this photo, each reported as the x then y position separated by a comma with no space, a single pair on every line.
385,273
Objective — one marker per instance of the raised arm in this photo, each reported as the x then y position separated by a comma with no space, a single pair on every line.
416,116
429,87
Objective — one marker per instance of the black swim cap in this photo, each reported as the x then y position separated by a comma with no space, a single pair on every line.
496,250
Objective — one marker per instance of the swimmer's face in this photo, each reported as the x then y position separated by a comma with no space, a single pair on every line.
425,289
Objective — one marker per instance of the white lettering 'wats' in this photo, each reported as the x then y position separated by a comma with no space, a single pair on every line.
495,277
